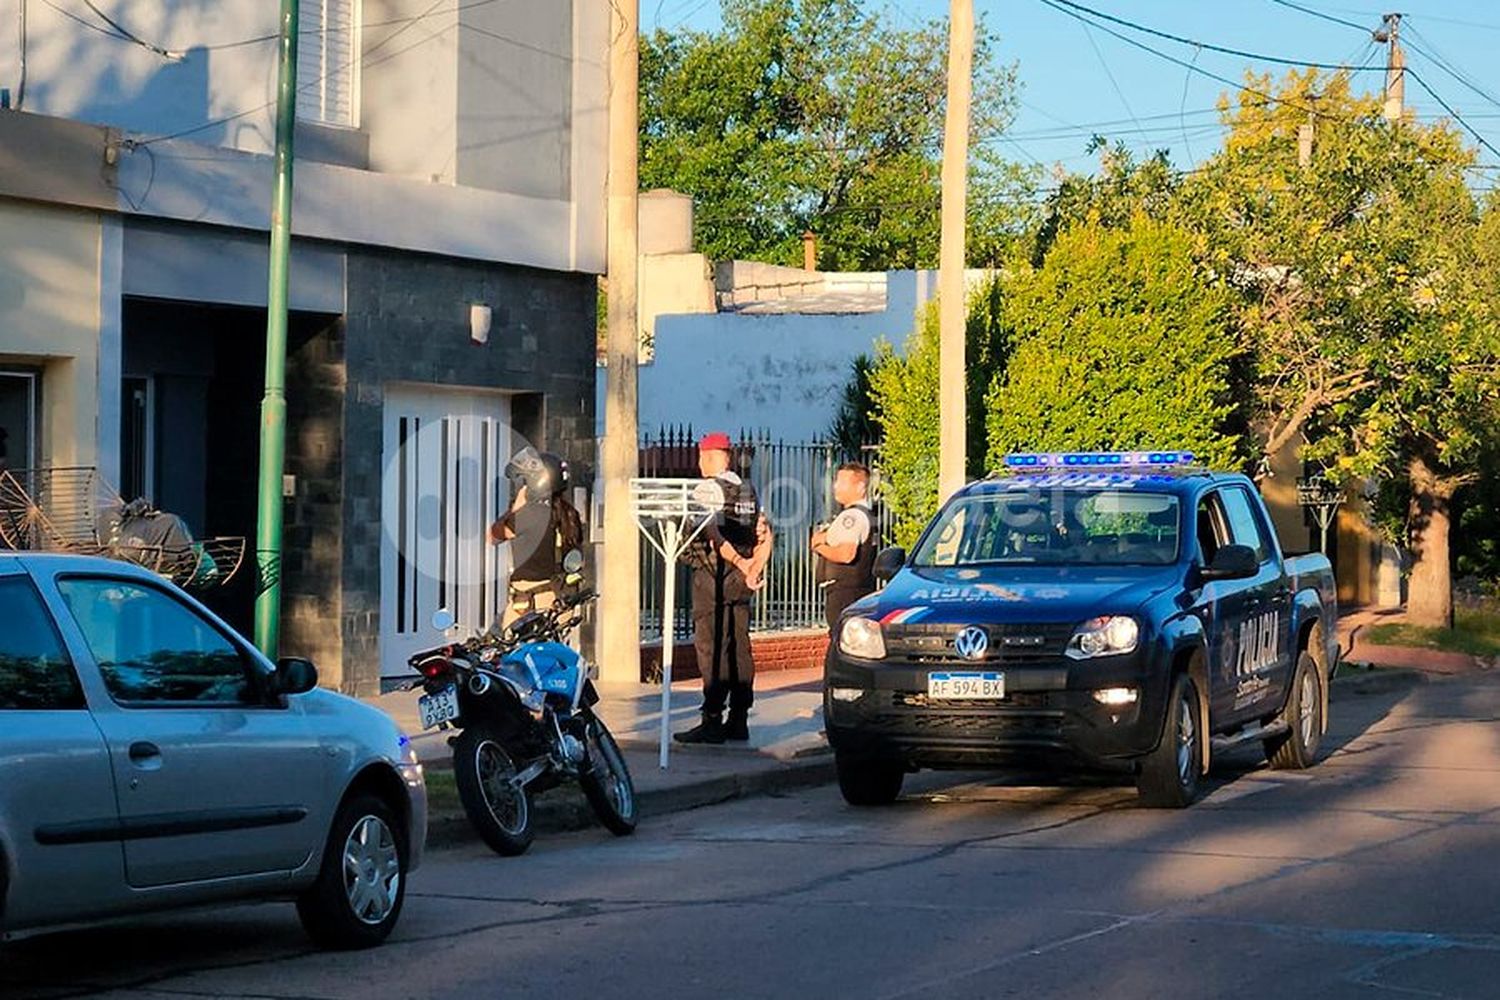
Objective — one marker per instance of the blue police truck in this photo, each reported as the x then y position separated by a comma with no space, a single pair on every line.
1126,610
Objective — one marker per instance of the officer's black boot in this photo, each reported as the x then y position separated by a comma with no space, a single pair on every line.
738,726
710,730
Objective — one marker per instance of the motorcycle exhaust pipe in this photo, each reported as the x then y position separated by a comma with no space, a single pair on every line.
479,685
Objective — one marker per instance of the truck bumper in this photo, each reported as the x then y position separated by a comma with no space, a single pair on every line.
1050,711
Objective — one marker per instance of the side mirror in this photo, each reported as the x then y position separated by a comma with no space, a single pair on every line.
889,562
572,562
1232,562
294,675
443,620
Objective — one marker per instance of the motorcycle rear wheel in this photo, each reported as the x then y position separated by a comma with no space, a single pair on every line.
501,813
607,783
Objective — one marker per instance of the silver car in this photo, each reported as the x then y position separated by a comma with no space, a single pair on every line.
151,758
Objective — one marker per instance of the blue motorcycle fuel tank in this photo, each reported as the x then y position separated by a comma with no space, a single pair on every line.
548,667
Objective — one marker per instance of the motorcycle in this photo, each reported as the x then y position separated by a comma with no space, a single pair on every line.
524,705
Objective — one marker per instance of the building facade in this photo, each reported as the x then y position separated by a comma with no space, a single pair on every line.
448,231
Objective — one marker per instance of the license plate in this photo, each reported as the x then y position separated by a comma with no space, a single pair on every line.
438,707
960,685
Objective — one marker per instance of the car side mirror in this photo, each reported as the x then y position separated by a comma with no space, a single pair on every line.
294,675
1232,562
889,562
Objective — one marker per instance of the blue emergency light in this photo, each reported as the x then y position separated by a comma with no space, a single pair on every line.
1098,459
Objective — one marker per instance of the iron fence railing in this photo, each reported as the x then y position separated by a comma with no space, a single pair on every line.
795,483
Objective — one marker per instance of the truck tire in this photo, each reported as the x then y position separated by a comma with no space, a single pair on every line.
867,781
1297,748
1169,775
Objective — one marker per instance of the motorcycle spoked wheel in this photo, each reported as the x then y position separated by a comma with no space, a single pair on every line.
607,783
482,769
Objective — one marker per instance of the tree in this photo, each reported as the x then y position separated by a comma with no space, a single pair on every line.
1361,282
856,425
905,390
1122,342
820,115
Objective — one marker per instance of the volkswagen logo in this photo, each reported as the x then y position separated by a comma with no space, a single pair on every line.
972,643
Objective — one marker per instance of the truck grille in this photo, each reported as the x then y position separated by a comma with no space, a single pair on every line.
1008,643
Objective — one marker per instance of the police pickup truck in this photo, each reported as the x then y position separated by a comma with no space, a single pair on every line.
1106,609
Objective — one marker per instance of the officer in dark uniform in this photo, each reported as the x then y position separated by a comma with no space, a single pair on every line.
846,548
727,559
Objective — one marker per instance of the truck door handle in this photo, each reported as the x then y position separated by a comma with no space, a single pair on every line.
146,756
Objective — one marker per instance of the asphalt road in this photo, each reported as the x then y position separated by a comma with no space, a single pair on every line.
1376,874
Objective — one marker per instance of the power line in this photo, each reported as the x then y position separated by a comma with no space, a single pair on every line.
1321,14
1446,66
1241,53
1454,114
125,34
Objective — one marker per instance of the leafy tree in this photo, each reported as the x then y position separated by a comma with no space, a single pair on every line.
905,390
1122,342
1362,282
855,425
1122,189
820,115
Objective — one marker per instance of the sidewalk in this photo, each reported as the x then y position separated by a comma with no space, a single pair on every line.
1356,648
786,750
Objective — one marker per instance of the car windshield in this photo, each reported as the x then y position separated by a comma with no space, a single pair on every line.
1055,527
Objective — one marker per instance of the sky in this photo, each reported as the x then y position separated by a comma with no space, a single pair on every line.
1076,81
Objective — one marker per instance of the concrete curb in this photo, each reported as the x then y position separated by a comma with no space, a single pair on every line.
1378,680
564,809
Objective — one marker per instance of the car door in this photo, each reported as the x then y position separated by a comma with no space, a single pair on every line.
58,820
215,778
1261,648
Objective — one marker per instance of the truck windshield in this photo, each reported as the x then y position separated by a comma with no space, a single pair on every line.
1058,527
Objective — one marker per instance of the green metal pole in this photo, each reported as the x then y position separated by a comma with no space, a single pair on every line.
273,405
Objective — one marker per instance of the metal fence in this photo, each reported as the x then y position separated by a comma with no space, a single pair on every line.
795,483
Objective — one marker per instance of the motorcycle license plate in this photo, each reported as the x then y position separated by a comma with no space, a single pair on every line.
438,707
957,685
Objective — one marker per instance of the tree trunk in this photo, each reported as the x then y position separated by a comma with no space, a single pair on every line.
1430,601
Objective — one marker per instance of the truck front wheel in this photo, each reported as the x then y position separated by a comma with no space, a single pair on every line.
1169,775
866,781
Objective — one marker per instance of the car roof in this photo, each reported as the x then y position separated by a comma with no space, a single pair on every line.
1182,482
68,562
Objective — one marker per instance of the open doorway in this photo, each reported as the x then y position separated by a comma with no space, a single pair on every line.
18,417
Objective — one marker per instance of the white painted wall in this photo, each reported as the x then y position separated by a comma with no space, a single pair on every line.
50,318
497,113
781,372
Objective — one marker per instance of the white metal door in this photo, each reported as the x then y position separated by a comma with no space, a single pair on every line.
444,458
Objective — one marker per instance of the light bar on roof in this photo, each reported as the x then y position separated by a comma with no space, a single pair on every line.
1098,459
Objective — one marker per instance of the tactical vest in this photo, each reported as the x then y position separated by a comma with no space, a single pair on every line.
858,575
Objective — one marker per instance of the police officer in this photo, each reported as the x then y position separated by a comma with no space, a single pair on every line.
846,548
727,559
541,526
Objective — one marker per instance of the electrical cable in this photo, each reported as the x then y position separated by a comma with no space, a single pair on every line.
130,36
1321,14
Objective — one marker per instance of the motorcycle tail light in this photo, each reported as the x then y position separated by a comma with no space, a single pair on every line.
435,668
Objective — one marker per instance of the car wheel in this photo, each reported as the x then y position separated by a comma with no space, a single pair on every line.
1297,748
866,781
1169,776
361,887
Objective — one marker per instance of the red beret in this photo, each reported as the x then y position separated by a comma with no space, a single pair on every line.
717,441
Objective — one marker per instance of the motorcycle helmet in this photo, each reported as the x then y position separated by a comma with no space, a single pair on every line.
542,473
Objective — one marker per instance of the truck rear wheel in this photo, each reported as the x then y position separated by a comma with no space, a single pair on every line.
866,781
1297,748
1170,774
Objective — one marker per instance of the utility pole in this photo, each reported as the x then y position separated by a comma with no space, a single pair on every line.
273,404
619,651
952,418
1395,67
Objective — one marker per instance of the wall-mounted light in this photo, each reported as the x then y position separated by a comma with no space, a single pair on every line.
479,323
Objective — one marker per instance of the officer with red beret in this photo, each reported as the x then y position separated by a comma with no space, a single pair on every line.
728,559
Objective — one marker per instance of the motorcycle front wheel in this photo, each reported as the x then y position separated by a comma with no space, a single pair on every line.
606,783
483,769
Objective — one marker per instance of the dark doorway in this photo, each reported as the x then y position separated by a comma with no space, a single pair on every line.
195,442
18,417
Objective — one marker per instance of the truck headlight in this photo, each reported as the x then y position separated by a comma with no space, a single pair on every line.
862,637
1109,635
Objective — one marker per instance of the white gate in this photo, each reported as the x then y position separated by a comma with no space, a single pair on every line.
444,458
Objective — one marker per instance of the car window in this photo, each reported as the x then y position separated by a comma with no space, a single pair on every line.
35,673
1244,526
152,649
